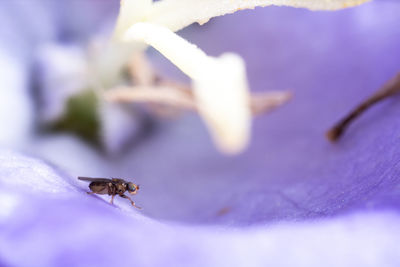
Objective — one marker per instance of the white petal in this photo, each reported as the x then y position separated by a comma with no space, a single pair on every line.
131,11
177,14
220,84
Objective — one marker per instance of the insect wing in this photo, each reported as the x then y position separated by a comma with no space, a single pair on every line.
90,179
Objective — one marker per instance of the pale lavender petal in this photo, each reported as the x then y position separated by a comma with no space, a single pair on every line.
292,199
65,227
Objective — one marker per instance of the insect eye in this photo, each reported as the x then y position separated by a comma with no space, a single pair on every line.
131,187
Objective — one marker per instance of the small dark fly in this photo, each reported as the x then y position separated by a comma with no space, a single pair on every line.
111,187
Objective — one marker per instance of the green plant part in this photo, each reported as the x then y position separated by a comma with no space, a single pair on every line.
80,118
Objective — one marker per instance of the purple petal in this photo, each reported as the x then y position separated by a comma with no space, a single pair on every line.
65,227
331,61
309,203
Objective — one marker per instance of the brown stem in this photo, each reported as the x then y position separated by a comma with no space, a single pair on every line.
391,88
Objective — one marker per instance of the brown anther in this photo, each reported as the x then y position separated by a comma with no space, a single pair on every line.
391,88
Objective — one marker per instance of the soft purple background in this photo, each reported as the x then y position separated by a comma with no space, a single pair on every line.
310,203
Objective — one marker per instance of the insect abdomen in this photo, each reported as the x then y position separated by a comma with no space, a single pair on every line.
98,188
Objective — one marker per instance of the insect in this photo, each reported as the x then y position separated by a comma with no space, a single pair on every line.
112,187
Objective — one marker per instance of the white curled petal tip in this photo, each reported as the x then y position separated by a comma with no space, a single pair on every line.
177,14
131,11
220,84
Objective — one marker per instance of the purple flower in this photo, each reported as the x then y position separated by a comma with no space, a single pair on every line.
291,199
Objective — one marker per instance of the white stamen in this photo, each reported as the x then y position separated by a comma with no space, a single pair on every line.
220,84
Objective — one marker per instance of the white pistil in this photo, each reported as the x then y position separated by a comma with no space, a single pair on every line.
220,84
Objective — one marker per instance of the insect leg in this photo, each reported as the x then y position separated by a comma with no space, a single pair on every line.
90,193
112,199
132,202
